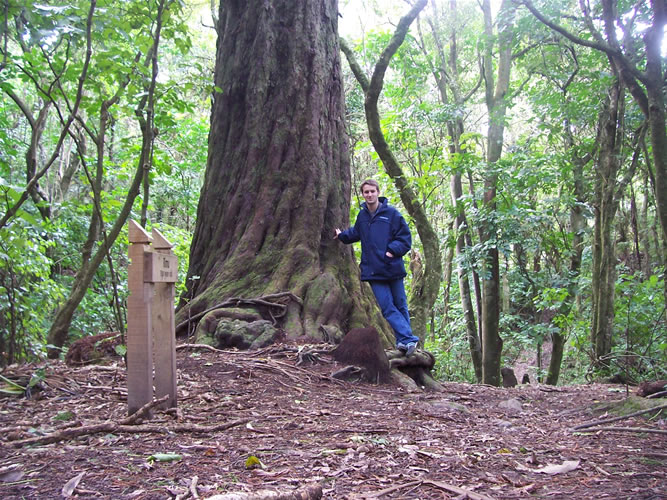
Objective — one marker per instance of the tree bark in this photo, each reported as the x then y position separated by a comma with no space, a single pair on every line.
277,180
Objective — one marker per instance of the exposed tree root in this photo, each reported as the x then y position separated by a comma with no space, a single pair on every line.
276,309
410,373
198,346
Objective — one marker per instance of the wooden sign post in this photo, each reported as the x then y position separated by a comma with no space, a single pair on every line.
151,335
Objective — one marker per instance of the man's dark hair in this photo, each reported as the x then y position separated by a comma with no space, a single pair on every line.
371,182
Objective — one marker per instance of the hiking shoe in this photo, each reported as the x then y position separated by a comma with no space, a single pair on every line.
411,348
402,347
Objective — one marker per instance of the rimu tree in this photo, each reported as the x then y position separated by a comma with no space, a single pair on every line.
277,180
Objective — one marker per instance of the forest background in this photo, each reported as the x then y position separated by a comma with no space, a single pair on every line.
105,111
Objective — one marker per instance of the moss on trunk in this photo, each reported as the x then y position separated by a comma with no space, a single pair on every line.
277,180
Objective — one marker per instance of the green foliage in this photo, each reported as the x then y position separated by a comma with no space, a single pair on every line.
44,58
27,289
640,327
451,350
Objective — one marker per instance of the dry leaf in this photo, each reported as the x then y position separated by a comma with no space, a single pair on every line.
11,476
71,485
566,466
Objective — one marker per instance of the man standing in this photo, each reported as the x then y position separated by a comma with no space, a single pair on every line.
385,239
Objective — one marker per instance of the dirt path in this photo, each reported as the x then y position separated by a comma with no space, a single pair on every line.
303,428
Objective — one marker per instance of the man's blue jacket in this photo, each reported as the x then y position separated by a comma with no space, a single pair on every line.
385,230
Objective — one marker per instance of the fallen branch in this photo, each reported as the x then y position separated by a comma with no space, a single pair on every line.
464,493
184,428
144,410
628,429
312,492
198,346
124,426
615,419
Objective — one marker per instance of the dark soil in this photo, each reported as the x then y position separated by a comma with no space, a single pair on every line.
354,440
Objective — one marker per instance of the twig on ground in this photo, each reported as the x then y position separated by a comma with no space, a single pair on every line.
311,492
144,410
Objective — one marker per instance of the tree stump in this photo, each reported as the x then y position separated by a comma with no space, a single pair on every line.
361,347
509,379
94,349
366,359
654,387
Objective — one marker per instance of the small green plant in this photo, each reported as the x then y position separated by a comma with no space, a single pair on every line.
64,416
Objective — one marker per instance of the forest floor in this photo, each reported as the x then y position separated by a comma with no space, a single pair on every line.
249,422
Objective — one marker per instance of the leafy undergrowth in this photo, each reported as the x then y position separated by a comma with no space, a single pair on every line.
256,421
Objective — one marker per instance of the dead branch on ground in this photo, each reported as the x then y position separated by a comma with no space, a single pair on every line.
628,429
311,492
124,426
616,419
464,493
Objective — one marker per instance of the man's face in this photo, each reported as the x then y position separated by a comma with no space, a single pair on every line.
370,194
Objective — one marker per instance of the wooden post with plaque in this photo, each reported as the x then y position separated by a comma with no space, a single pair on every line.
151,342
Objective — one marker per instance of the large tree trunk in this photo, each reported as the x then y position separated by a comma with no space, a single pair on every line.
277,179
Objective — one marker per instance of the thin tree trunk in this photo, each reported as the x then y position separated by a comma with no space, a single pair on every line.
645,231
421,304
577,226
449,66
609,191
90,263
496,103
447,282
